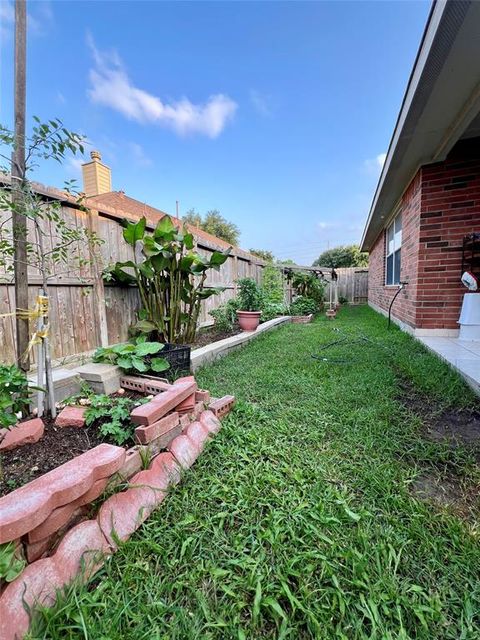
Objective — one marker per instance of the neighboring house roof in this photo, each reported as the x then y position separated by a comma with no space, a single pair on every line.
440,106
127,206
118,205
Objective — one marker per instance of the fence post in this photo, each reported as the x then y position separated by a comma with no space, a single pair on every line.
99,305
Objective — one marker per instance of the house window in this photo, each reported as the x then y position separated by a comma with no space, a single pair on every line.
394,251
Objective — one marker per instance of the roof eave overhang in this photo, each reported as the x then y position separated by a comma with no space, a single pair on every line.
445,73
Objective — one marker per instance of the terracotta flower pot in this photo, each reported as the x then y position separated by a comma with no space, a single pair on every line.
248,320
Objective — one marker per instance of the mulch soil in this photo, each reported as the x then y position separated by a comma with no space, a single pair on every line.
209,335
57,446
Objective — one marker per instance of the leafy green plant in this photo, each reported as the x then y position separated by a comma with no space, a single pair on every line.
11,566
225,315
271,310
133,356
13,394
303,306
272,284
249,295
342,300
308,284
170,277
113,417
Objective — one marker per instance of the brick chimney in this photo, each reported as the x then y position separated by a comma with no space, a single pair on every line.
97,177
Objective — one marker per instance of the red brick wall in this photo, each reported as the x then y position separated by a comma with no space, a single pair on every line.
440,207
450,210
381,295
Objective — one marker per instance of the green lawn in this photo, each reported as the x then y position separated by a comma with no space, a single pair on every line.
298,520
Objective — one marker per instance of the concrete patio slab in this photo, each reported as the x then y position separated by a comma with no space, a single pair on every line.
462,355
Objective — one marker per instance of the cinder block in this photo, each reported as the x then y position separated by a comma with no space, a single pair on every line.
222,406
103,378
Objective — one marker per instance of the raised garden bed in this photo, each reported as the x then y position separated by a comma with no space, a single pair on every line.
56,446
63,523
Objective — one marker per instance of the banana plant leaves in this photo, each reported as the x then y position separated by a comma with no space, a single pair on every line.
170,275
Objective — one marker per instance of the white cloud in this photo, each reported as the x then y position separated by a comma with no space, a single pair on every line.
74,165
260,103
112,87
7,17
374,166
325,225
139,156
39,22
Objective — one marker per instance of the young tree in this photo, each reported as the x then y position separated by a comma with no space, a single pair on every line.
51,239
213,222
342,256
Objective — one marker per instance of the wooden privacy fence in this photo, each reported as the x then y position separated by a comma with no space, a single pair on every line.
86,312
352,283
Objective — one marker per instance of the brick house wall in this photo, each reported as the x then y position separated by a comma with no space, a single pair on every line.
381,294
440,206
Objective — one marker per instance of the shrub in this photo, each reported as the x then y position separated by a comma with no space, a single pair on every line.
309,285
133,356
225,315
250,295
13,394
272,284
303,306
271,310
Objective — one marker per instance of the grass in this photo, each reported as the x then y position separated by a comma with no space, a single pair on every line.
297,521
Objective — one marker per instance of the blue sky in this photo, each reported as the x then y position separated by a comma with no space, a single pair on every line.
276,113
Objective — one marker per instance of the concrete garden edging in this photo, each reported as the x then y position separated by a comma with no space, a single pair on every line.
221,348
50,520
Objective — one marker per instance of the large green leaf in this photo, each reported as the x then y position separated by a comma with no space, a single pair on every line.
159,364
188,241
218,258
117,273
165,229
145,326
158,262
146,269
150,247
139,364
123,348
125,362
186,262
134,231
209,291
147,348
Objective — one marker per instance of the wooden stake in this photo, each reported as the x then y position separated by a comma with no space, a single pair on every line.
18,177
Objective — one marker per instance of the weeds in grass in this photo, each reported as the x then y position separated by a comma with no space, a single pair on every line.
298,520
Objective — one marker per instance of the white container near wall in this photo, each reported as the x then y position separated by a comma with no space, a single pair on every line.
469,320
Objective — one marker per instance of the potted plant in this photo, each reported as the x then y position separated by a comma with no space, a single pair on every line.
170,275
250,303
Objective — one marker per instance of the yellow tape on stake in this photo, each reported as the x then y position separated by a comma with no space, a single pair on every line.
39,311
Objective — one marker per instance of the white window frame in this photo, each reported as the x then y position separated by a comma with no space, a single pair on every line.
393,246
